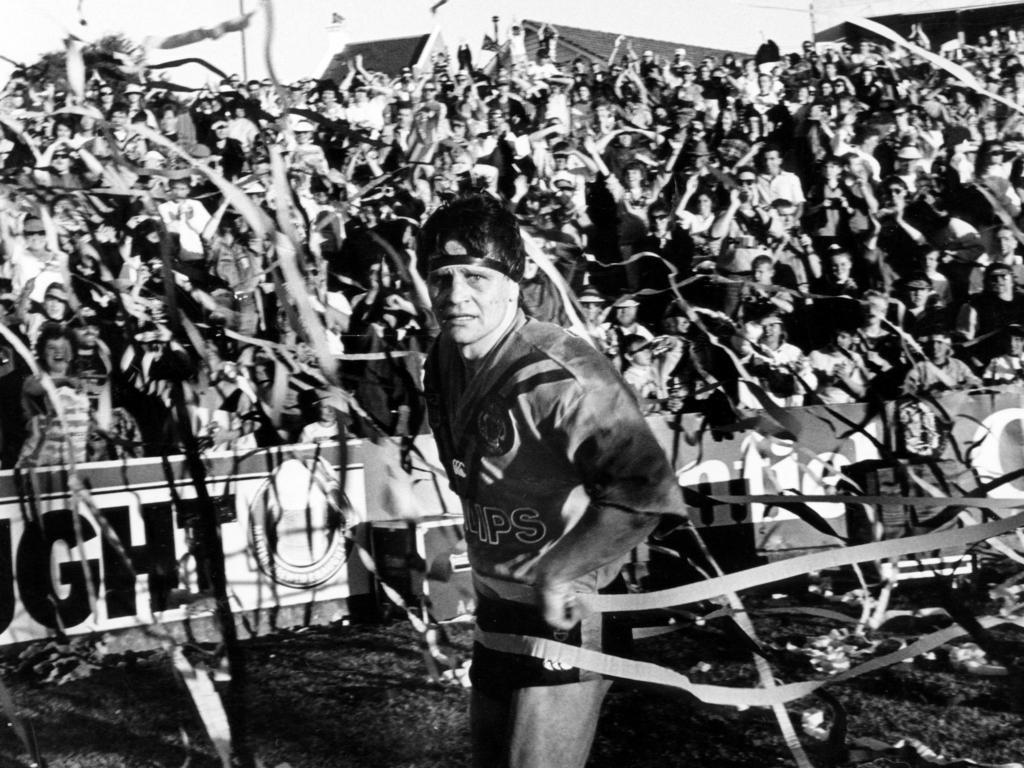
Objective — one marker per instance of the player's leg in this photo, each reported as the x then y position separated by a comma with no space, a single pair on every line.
553,726
488,729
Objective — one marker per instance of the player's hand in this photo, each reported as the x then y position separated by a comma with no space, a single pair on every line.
558,606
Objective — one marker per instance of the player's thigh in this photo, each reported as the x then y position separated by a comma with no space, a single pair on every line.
553,726
488,729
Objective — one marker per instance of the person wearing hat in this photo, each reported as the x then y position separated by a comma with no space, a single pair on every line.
940,372
622,323
307,154
526,416
137,109
908,161
592,306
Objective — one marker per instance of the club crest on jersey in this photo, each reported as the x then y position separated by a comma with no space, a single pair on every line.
494,426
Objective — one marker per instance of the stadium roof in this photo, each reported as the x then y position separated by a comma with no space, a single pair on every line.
598,45
388,56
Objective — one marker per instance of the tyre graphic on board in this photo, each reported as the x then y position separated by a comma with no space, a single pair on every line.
297,524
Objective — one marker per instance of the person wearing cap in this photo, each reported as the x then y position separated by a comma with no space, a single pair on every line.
526,416
940,372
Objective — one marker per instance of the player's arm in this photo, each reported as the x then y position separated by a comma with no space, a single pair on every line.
601,536
630,484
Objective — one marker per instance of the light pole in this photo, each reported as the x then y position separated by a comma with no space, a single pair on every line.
245,61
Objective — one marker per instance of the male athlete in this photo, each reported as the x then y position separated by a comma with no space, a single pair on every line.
559,477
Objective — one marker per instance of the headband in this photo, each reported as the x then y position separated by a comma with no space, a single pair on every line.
442,260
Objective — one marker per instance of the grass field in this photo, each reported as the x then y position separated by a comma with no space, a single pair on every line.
358,695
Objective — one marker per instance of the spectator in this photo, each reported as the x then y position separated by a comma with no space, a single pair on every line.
940,372
740,179
52,440
185,218
998,305
842,374
773,183
1008,367
622,324
786,376
640,372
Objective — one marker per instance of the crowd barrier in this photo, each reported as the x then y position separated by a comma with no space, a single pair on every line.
288,522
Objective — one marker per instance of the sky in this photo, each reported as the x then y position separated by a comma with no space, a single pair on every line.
301,44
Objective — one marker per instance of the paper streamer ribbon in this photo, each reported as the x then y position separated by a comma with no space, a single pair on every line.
200,33
892,501
784,569
208,704
863,750
647,672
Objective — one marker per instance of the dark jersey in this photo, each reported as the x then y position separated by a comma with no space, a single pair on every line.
545,428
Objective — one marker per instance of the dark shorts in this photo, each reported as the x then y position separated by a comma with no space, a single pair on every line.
497,673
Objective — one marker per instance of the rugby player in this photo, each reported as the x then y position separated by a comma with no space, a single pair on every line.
558,474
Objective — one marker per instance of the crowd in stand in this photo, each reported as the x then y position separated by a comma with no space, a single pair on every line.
827,226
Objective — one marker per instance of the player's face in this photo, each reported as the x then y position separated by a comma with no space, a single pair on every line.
474,305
